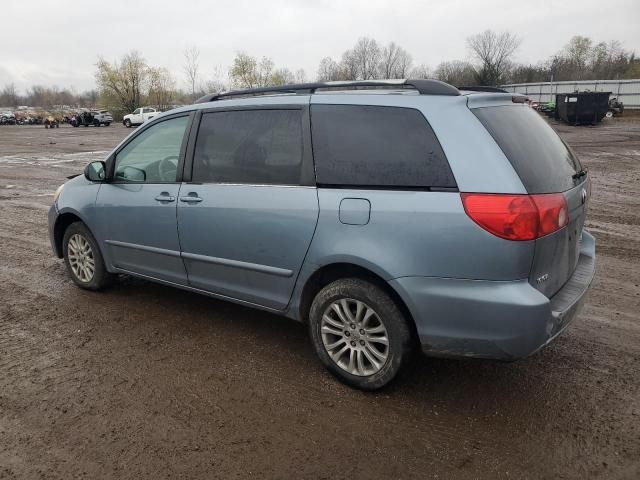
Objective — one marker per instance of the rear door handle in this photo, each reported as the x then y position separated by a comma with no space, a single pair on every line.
190,199
165,197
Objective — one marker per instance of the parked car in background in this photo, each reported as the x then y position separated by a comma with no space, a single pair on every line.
7,118
139,116
359,212
93,117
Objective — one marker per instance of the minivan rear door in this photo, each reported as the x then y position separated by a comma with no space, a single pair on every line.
248,214
545,164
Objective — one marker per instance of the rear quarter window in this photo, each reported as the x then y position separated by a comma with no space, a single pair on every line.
372,146
544,163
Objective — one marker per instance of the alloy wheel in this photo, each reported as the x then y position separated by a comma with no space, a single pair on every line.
81,258
355,337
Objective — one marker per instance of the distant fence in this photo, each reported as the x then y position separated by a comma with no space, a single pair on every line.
627,91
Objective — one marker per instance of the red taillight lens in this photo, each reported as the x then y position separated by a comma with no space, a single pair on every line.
552,212
517,217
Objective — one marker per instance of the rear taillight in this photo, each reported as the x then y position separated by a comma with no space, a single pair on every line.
517,217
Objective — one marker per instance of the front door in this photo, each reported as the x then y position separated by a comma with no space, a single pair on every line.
138,206
248,216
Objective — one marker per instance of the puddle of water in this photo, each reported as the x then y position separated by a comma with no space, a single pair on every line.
53,160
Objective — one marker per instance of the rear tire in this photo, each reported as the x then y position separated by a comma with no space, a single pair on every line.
359,333
83,259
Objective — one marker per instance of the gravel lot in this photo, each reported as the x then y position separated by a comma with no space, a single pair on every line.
143,381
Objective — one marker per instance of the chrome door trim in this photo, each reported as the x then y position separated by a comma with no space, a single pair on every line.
144,248
279,272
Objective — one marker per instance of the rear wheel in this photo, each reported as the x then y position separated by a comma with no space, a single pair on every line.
359,333
83,258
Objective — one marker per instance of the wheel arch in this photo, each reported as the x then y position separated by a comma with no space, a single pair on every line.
66,218
331,272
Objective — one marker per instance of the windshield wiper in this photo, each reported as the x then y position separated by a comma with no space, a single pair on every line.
579,174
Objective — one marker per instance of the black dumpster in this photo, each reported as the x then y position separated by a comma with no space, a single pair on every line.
579,108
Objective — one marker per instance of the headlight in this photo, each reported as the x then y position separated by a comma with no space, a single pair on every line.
58,192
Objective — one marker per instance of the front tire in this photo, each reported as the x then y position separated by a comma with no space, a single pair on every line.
359,333
83,258
127,123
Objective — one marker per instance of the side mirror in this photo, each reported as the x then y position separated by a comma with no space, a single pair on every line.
95,171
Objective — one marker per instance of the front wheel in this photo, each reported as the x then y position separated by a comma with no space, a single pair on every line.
359,333
83,258
127,123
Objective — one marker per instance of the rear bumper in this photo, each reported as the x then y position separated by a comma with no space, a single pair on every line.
490,319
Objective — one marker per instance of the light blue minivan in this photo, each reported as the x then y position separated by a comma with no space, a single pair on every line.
387,215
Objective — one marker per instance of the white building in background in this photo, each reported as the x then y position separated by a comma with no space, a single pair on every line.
627,91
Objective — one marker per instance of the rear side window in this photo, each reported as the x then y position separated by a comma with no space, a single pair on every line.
541,159
374,146
250,146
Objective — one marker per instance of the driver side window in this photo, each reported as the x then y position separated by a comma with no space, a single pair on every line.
137,111
152,156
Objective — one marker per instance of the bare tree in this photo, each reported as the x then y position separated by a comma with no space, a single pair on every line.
421,71
403,64
493,52
282,76
247,72
162,88
456,73
328,70
300,76
9,96
366,57
191,67
349,68
243,71
122,83
578,51
215,83
395,62
264,73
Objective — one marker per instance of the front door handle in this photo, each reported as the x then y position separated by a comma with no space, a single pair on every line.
165,197
190,199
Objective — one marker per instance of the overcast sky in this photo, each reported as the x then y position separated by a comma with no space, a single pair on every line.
57,42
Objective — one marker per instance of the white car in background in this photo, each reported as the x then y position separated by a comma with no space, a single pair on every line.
139,116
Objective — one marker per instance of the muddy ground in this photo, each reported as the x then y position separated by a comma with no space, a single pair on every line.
143,381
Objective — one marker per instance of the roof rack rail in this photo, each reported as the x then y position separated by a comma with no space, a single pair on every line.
424,87
481,88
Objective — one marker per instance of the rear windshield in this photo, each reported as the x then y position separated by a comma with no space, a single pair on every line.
371,146
544,163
